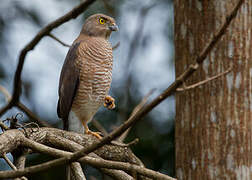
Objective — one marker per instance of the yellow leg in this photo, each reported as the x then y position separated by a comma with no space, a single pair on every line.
87,131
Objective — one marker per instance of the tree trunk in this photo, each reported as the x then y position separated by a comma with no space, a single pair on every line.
213,122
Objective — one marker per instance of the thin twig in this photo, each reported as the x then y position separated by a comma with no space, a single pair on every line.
19,158
99,163
32,116
135,110
76,11
142,103
3,126
133,119
5,93
116,45
9,162
74,146
133,48
204,81
99,127
58,40
25,109
118,143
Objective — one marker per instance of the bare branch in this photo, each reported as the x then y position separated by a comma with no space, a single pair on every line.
116,46
45,135
133,119
99,163
58,40
3,126
5,93
118,143
26,110
74,146
135,110
76,11
20,160
204,81
32,116
99,127
142,112
9,162
76,171
12,166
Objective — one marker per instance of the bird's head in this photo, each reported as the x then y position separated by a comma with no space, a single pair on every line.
99,25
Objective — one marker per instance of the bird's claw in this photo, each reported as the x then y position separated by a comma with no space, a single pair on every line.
96,134
109,102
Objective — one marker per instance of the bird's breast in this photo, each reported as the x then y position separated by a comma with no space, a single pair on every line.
95,62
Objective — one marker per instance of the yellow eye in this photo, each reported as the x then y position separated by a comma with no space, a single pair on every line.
102,21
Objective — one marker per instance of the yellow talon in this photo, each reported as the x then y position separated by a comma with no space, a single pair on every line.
87,131
109,102
96,134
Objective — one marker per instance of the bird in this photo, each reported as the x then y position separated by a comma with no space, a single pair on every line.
86,75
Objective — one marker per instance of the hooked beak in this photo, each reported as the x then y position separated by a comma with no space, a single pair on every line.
113,27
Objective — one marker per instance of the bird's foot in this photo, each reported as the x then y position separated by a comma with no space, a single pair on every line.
109,102
96,134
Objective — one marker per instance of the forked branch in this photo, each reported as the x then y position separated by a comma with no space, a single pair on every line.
139,114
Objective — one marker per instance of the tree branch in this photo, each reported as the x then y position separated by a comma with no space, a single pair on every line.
204,81
70,145
58,40
12,166
30,46
135,110
142,112
25,109
116,46
76,171
20,163
51,136
9,162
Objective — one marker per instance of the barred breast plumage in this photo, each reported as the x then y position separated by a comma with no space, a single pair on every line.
86,75
95,64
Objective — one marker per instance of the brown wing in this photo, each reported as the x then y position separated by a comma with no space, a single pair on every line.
68,84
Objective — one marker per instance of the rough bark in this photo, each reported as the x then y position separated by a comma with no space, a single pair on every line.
213,122
47,135
37,138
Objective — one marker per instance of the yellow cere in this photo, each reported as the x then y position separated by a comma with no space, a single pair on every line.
102,21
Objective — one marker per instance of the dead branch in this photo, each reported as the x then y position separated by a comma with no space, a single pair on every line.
135,110
6,93
118,143
133,47
99,127
133,119
76,11
116,46
76,171
75,144
9,162
3,126
204,81
51,136
32,116
58,40
19,162
25,109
